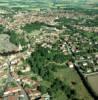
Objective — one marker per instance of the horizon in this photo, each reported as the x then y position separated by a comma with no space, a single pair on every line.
49,3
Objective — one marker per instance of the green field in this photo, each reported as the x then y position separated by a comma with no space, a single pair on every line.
70,76
30,4
72,79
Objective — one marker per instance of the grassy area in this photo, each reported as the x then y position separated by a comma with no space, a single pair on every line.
71,77
60,96
5,44
31,27
35,26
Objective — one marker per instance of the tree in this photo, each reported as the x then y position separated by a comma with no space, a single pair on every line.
43,89
1,28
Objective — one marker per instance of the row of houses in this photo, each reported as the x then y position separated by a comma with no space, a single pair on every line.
88,64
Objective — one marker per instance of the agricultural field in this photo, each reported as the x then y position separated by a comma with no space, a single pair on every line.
33,4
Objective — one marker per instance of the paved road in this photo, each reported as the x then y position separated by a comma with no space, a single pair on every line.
68,48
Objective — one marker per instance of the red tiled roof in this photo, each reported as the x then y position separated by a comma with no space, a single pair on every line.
12,89
12,98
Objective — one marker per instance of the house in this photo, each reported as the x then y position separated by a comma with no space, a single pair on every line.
3,75
45,97
96,55
85,63
89,70
15,61
33,94
11,97
89,57
20,47
27,69
82,58
11,91
70,64
95,68
30,81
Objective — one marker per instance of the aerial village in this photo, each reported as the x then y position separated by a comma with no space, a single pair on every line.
66,31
